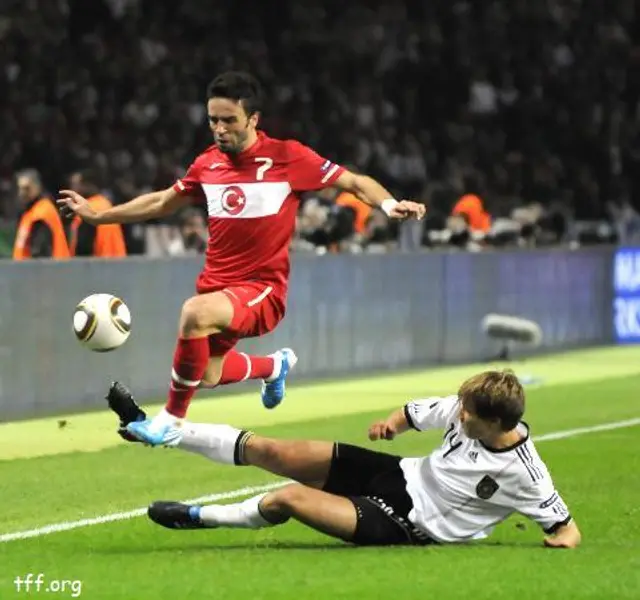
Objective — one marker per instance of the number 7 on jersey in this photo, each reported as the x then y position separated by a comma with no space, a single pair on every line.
265,165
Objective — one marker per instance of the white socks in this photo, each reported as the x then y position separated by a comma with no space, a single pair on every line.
243,515
164,418
216,442
277,366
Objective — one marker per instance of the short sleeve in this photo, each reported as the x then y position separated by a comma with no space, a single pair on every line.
431,413
307,170
542,503
190,185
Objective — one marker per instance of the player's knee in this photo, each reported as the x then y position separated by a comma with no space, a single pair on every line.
192,317
284,501
205,315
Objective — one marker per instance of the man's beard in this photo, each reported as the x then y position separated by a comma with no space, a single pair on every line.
236,146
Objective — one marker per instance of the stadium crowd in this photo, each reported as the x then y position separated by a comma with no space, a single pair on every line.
516,122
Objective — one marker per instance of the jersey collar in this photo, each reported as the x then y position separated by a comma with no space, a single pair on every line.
513,446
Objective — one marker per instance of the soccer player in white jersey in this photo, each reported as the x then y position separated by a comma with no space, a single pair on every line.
486,469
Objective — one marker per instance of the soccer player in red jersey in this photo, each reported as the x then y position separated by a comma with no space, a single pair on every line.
249,183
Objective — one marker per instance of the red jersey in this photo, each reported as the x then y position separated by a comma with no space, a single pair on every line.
252,203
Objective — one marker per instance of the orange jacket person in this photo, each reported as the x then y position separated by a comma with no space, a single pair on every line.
362,210
472,207
40,229
105,241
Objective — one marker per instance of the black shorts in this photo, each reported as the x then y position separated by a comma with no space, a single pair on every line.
375,483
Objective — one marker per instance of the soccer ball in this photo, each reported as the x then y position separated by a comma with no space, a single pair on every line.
102,322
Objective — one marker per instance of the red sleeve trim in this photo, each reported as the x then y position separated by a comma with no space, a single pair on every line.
332,174
179,187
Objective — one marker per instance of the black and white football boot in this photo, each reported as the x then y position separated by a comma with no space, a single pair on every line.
175,515
121,402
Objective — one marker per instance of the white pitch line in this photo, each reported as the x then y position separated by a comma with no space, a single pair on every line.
567,433
130,514
123,516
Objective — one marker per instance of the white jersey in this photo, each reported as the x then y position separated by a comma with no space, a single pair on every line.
462,490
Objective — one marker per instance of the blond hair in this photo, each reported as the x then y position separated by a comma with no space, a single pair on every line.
494,395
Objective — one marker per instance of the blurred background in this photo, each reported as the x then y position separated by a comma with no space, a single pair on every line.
517,122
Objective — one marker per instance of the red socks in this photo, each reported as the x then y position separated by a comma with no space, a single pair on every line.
189,365
239,366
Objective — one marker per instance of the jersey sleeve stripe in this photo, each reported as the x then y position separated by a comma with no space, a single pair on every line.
549,501
527,453
409,418
329,174
527,464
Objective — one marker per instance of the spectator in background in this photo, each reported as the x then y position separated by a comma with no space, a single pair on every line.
311,218
327,227
539,100
626,220
377,236
361,210
103,241
40,231
192,234
471,207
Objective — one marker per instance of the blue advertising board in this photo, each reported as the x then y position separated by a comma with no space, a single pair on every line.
626,302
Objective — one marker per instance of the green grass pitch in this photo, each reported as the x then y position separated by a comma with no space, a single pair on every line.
45,480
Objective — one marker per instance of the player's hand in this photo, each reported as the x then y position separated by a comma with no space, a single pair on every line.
71,203
568,536
560,541
382,430
406,209
553,542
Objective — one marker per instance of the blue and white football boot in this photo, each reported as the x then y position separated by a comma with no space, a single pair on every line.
273,389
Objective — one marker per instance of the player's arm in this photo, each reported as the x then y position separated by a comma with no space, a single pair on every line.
309,171
395,424
428,413
143,208
540,502
369,191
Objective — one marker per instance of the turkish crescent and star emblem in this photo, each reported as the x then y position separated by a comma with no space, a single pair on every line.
233,200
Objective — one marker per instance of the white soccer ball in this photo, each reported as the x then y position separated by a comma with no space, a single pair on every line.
102,322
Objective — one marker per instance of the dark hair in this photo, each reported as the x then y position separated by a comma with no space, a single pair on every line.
239,87
91,176
472,183
494,396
